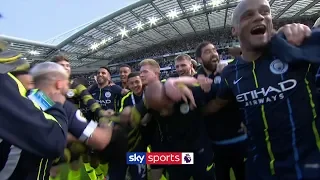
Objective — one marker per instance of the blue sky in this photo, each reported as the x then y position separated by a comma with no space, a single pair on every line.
40,20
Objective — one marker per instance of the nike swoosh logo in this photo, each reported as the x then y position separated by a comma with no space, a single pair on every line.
236,81
209,167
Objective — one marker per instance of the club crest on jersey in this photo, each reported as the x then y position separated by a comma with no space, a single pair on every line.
217,80
107,94
278,67
184,108
70,93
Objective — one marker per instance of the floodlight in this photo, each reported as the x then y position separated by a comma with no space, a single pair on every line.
153,20
172,14
139,26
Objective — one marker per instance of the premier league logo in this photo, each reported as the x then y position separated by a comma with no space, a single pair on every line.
278,67
187,158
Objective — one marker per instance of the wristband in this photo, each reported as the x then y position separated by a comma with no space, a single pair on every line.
41,99
87,132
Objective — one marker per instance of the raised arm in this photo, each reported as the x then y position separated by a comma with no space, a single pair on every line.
88,100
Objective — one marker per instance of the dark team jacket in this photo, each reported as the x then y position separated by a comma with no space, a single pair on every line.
76,120
226,123
129,99
277,93
19,116
118,103
134,135
29,137
29,165
107,97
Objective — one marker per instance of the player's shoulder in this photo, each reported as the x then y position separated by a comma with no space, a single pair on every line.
125,97
12,84
69,107
118,83
93,88
8,78
229,62
116,86
229,69
73,83
81,80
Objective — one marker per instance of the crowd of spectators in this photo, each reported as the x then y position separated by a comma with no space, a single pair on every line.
222,38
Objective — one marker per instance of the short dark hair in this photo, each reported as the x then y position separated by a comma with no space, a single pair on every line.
59,58
133,74
106,68
125,65
200,47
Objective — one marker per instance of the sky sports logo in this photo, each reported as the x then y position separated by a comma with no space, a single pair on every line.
164,158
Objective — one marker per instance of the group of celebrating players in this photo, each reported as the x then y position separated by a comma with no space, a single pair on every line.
257,115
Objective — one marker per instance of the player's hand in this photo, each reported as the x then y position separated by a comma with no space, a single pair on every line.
172,85
107,113
57,97
125,91
205,83
77,147
220,67
187,96
104,122
295,33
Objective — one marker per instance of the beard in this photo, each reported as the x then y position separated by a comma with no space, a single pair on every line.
210,65
102,81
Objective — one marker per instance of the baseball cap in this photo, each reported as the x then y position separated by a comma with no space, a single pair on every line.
12,61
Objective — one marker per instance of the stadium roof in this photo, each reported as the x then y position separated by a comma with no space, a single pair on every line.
146,23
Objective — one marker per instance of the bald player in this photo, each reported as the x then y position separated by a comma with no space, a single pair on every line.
271,90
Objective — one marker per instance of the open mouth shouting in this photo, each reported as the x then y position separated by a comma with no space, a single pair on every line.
258,30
